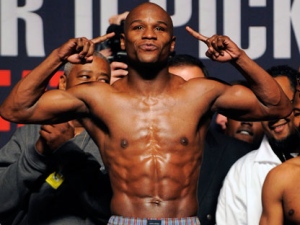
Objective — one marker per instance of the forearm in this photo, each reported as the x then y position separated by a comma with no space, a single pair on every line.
263,85
28,90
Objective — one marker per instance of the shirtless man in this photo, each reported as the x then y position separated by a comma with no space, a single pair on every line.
281,199
150,126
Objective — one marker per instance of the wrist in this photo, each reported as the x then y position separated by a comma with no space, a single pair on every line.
240,57
59,57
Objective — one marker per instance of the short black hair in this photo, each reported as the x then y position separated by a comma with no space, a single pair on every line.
287,71
187,60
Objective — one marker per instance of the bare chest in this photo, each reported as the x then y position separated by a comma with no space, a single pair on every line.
291,204
154,119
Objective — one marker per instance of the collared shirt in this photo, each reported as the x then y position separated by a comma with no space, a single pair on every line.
239,202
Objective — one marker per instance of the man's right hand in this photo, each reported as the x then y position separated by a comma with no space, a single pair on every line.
77,50
53,136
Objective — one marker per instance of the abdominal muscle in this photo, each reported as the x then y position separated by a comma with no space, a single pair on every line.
157,183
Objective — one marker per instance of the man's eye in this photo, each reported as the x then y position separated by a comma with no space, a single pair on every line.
160,28
84,76
296,114
137,27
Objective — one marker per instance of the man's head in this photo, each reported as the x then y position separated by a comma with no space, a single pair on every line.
251,132
74,74
187,66
148,35
281,133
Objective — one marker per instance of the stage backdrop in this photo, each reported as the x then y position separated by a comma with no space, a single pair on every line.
268,30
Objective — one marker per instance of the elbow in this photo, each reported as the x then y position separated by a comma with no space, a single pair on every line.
287,108
12,115
7,115
287,113
280,111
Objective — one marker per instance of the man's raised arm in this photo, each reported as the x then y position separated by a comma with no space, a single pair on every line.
19,105
268,101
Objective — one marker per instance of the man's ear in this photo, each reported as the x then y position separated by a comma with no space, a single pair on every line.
62,84
122,42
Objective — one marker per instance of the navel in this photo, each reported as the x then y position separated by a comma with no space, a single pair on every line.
184,141
124,143
156,201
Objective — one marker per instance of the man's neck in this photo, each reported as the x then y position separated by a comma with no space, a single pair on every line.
151,82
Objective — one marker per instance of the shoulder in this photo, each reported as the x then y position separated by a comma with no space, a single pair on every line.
285,170
277,178
91,90
202,88
208,82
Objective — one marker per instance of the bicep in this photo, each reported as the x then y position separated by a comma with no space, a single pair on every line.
56,106
272,213
239,103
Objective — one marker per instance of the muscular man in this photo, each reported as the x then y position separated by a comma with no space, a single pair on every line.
280,194
150,125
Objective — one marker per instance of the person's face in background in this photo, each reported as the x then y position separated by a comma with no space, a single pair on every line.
279,130
97,70
186,72
251,132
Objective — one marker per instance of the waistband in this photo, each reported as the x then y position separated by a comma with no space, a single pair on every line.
119,220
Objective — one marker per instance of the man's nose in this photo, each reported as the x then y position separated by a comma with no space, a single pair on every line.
247,123
149,33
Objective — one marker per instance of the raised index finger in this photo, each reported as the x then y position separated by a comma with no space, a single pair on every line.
100,39
197,35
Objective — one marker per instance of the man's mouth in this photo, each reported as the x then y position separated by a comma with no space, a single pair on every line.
148,47
279,128
245,132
